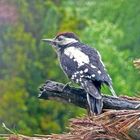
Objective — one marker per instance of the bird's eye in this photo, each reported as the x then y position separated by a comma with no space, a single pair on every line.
60,38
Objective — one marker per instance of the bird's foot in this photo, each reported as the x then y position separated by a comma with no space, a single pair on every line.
66,86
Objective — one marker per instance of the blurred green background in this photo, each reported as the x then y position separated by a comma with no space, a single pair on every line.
111,26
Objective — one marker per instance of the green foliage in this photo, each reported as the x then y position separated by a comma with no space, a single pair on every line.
25,62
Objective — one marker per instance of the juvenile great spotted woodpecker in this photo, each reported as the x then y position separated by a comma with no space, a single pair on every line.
83,65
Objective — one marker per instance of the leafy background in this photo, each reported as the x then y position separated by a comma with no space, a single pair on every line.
26,62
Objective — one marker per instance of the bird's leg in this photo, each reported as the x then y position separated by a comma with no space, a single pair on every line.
67,85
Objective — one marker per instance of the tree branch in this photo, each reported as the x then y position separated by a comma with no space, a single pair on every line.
54,90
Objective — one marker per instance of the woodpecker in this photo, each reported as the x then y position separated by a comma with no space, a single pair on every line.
83,65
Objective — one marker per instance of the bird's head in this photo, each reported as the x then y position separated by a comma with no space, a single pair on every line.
62,40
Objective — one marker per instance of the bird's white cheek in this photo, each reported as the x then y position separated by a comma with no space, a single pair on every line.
68,41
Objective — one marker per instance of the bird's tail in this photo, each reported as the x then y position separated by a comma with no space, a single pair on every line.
95,105
94,97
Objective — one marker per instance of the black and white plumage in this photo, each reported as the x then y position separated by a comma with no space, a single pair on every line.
84,66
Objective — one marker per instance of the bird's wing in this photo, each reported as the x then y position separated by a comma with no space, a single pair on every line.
80,76
96,68
81,63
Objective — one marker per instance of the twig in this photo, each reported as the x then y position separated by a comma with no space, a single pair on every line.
6,128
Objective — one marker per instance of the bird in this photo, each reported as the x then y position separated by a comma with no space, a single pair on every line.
83,65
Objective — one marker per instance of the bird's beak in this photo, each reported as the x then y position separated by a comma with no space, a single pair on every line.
50,41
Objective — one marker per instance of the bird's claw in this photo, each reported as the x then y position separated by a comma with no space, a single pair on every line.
66,86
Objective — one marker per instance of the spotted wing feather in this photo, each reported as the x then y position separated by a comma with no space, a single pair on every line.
96,65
